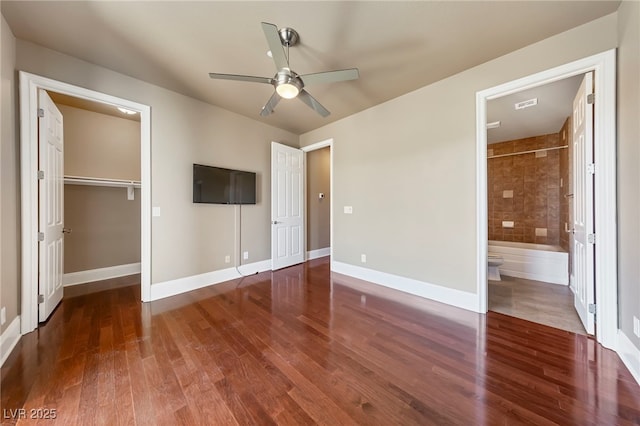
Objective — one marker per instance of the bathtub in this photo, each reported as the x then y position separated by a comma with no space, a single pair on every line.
538,262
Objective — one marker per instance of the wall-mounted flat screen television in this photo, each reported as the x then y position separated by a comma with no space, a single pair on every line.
215,185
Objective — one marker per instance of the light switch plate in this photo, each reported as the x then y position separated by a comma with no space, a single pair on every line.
348,209
155,211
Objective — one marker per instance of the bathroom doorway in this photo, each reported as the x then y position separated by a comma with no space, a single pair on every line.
530,204
603,263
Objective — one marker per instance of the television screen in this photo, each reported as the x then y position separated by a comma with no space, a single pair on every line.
215,185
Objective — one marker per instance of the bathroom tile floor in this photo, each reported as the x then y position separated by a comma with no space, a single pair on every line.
535,301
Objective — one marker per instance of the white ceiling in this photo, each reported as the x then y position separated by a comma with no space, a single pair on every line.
398,46
554,106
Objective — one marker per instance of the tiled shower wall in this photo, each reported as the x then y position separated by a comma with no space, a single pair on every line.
566,194
524,190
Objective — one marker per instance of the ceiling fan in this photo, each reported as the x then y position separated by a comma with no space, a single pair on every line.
287,83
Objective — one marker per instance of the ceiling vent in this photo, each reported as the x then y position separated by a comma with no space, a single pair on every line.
526,104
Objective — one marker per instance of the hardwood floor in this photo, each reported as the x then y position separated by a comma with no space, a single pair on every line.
536,301
300,346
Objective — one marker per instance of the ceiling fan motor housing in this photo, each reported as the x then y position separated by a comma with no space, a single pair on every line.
288,36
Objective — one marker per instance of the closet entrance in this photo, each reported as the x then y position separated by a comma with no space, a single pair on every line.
34,248
101,196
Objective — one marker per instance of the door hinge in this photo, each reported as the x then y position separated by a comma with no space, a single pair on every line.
591,168
40,236
40,298
592,308
40,174
591,238
40,112
591,98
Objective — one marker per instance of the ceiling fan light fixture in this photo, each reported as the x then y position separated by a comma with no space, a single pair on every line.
287,84
287,90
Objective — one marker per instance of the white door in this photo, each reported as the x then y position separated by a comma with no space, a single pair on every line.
51,205
583,249
287,224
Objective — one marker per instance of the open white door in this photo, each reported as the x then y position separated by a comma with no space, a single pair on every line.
51,205
287,224
583,237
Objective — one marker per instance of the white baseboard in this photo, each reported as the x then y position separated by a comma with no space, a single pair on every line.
314,254
182,285
9,339
82,277
453,297
629,354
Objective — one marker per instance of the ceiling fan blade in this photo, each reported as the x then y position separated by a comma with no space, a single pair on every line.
330,76
270,105
305,97
237,77
275,45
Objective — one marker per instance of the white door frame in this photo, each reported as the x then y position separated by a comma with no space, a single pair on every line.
29,85
309,148
606,281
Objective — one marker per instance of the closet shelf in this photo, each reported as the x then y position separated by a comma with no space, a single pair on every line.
91,181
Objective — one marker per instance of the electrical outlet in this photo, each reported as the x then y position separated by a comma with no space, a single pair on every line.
227,259
363,258
636,326
245,255
3,316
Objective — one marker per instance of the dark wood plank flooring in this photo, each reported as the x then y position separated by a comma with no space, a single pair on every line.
302,346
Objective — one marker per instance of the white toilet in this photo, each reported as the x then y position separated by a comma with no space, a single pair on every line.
494,260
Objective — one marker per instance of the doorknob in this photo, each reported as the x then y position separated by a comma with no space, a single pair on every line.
275,222
66,230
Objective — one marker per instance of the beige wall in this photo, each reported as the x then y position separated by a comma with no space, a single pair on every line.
408,166
9,177
105,227
628,166
100,145
187,239
318,210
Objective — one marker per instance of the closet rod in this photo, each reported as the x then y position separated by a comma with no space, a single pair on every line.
528,152
91,181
